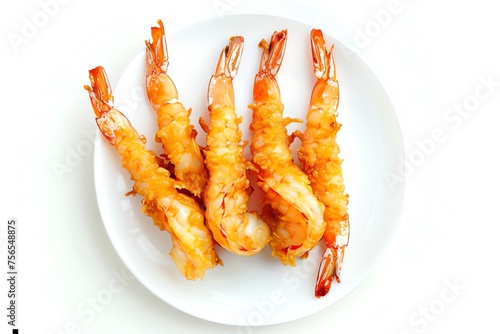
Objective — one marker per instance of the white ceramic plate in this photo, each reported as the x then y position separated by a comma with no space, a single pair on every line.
257,290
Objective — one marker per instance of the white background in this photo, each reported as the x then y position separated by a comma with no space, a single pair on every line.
430,55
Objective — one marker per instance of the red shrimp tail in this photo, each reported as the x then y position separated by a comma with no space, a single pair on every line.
324,64
329,269
156,51
273,52
220,89
99,91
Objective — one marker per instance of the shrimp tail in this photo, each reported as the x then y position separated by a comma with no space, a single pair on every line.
266,88
272,56
323,62
230,58
329,269
156,51
219,91
101,98
160,87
